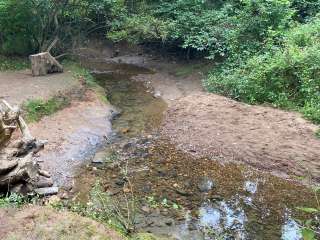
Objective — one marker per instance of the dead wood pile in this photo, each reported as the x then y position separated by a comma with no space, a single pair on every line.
19,170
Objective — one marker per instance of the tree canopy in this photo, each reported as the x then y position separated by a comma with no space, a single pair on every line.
265,51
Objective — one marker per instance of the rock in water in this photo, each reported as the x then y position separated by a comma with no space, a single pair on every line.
99,158
157,94
205,184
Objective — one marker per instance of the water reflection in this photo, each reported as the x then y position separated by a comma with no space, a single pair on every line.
244,204
290,229
223,217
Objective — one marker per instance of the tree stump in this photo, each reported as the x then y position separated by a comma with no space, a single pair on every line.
43,63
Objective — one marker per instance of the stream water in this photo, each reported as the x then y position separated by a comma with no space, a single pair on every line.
178,196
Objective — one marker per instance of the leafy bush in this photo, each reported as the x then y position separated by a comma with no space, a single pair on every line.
30,26
220,27
7,64
286,77
12,200
140,28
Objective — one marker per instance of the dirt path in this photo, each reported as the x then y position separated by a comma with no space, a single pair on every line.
17,87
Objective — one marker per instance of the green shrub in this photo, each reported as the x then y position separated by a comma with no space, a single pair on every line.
287,77
12,200
13,63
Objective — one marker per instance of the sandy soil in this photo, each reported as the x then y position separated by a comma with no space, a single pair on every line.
17,87
73,135
44,223
209,125
270,139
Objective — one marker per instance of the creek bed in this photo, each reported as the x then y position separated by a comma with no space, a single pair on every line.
178,196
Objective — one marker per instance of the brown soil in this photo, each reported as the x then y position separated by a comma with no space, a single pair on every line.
209,125
44,223
269,139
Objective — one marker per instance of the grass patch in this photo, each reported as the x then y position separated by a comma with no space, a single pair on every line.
13,63
38,108
112,212
13,200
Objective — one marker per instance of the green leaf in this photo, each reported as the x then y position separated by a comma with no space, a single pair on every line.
175,206
308,210
308,234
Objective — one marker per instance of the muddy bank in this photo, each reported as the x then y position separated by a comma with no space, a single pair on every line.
73,135
266,138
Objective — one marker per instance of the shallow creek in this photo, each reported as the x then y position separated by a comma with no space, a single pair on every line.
178,196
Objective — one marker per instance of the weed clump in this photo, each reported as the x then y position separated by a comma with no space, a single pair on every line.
38,108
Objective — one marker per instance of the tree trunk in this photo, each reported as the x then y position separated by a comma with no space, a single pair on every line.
43,63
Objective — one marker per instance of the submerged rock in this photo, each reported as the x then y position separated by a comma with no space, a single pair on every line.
205,184
99,158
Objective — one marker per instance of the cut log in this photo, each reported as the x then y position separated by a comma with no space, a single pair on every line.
43,63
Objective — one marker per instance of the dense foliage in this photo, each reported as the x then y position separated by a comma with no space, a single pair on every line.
288,76
27,26
266,51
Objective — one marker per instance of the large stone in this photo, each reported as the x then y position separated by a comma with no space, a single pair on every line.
99,158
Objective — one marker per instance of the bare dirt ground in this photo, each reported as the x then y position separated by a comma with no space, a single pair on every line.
266,138
44,223
17,87
73,135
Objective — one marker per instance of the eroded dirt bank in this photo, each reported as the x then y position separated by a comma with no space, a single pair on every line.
73,135
205,124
